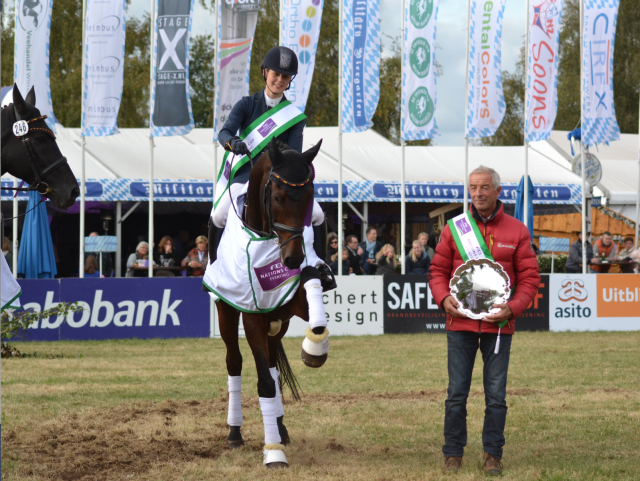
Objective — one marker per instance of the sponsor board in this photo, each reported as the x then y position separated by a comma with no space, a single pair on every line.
409,306
536,316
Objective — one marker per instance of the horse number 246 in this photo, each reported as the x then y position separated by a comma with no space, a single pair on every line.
20,128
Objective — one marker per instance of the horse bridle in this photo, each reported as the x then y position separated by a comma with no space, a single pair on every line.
32,156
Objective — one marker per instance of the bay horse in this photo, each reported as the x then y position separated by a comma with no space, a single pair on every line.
275,206
34,155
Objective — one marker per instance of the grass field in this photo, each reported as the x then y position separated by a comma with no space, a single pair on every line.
156,410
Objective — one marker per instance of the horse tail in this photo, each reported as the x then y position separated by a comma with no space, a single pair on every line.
287,377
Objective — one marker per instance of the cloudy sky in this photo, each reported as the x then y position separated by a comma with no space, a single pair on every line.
451,53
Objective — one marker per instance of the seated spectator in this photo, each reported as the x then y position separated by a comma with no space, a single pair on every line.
6,250
107,260
604,249
574,261
346,268
423,237
166,255
624,254
138,257
370,247
91,267
198,258
355,255
418,260
386,260
332,246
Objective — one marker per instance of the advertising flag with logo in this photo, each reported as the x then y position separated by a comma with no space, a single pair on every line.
486,105
542,71
104,66
361,64
300,32
599,122
170,100
419,70
31,52
236,27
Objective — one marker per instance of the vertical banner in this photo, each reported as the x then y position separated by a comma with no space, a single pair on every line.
31,52
542,71
300,32
361,64
170,99
419,70
486,104
236,27
599,122
104,66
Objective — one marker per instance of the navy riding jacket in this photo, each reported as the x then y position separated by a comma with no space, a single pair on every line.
242,115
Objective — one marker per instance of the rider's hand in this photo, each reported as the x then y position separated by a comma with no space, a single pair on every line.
450,306
238,147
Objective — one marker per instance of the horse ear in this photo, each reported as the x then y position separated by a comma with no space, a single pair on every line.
276,157
310,154
31,96
18,101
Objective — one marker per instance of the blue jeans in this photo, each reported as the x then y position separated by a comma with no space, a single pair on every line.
462,347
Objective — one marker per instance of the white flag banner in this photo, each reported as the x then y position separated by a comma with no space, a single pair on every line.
486,104
419,70
236,27
300,32
599,122
542,71
31,52
104,66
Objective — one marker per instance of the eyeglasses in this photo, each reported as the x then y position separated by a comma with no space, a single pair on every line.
334,242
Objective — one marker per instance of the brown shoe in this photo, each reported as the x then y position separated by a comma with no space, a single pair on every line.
492,465
452,463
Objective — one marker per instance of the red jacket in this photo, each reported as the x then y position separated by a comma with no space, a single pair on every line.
509,243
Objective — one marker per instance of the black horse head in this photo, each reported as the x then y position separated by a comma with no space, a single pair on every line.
280,197
40,156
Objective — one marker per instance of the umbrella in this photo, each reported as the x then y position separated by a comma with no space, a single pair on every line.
36,259
519,213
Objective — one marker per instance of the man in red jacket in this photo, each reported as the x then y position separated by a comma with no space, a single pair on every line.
509,243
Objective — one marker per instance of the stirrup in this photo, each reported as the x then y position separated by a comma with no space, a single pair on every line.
274,457
315,348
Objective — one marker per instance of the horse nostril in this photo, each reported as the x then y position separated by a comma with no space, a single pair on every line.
75,193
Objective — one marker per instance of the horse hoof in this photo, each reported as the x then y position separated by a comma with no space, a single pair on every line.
275,458
315,348
313,361
277,465
235,444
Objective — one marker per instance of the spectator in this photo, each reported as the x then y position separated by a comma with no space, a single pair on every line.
418,260
370,247
6,250
624,254
197,258
181,243
604,248
91,267
386,259
574,261
107,261
346,268
166,255
138,257
355,255
423,237
332,246
635,256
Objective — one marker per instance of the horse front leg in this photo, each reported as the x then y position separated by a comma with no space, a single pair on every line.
276,353
256,328
228,321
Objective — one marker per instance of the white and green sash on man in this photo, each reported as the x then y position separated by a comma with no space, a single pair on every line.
257,136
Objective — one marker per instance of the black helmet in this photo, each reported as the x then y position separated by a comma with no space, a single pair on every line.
282,60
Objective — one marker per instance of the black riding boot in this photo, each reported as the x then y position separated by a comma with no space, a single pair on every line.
215,234
320,246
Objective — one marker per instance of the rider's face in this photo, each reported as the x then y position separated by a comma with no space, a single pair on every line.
276,81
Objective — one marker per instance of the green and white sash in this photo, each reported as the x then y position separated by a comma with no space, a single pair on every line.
257,136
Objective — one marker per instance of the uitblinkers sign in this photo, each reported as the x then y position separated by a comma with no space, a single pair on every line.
20,128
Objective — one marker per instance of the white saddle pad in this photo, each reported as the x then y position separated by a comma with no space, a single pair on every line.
10,288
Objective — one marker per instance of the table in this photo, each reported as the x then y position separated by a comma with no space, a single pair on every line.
625,266
157,268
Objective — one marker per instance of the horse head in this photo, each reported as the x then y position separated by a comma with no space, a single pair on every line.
35,156
285,197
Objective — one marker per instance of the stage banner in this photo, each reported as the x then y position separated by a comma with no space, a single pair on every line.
31,52
360,64
542,71
419,70
599,122
104,66
236,27
300,32
486,105
170,100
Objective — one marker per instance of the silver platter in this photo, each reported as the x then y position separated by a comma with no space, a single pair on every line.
477,285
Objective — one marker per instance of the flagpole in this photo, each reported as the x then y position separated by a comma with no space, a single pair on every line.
83,180
638,201
215,95
152,37
466,114
584,195
526,143
403,205
15,231
280,39
340,234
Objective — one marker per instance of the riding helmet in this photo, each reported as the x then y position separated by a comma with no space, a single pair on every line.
282,60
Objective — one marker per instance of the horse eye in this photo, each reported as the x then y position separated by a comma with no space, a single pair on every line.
276,199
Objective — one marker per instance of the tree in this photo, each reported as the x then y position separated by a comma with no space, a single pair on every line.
201,80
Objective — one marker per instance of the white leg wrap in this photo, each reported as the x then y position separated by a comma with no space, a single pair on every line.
279,408
317,316
268,408
316,344
234,416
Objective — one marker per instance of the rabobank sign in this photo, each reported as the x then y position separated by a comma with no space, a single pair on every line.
119,308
